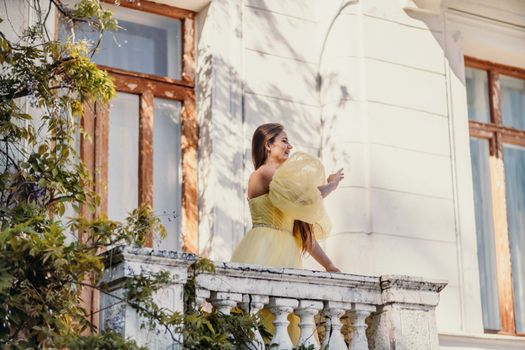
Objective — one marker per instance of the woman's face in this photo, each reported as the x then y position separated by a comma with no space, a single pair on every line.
280,148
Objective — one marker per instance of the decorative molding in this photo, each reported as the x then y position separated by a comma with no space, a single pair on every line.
485,341
484,23
411,283
506,12
192,5
429,7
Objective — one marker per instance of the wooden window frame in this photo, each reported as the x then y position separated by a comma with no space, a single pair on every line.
94,148
497,135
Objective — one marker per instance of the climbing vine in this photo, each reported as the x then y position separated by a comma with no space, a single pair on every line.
50,234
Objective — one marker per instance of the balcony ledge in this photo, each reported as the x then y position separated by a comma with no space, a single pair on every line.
400,310
481,341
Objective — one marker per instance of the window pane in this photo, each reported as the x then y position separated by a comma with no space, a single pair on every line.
146,43
477,95
166,172
479,151
123,167
513,101
514,159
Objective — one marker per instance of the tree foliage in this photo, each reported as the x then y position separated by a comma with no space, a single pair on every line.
44,85
43,267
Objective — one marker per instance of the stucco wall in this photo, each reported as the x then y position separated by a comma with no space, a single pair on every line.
376,87
396,212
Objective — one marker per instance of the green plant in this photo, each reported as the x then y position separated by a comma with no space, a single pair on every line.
213,330
43,265
200,329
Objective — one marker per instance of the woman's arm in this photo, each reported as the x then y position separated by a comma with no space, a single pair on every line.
327,189
320,256
332,183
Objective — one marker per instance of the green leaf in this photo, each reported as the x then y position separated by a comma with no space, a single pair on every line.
6,279
42,149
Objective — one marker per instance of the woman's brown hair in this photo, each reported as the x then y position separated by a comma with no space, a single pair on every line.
265,134
304,231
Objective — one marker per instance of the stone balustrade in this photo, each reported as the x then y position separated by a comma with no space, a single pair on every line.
386,312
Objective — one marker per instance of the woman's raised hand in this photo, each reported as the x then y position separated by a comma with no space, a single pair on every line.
335,178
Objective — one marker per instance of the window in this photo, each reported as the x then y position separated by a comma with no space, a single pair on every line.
496,110
143,145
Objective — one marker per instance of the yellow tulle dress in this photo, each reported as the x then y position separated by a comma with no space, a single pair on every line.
293,195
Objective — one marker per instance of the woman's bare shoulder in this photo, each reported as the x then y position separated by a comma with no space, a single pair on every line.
259,182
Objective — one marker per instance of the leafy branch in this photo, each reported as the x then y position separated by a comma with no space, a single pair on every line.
49,258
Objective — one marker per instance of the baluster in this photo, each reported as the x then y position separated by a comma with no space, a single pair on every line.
334,339
201,297
359,314
253,304
281,308
224,302
306,311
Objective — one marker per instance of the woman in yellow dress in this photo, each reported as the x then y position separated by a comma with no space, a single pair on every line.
285,195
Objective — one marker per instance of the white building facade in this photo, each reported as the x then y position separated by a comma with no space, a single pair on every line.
422,102
378,87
